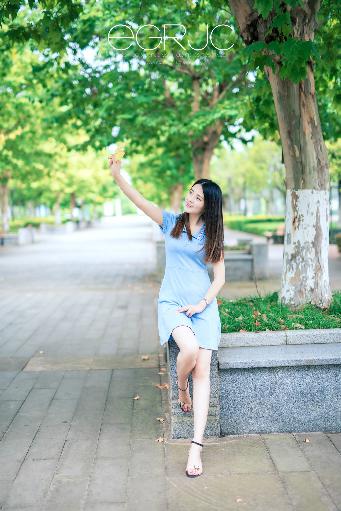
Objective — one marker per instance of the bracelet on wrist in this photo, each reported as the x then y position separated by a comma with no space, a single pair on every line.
205,301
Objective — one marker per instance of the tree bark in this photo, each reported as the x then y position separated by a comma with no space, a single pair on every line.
339,195
72,203
57,210
203,149
176,197
202,155
4,205
305,275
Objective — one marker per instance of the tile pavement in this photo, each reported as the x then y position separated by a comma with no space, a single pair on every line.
77,312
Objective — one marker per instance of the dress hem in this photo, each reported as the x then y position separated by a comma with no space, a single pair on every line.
162,344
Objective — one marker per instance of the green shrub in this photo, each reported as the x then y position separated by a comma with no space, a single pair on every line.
34,221
257,224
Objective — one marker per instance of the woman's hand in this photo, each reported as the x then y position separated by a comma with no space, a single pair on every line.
115,166
193,309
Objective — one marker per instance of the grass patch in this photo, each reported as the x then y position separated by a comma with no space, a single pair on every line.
255,314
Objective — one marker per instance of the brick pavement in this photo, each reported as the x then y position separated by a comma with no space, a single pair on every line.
77,312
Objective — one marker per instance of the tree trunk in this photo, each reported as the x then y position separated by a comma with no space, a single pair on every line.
268,201
4,205
30,209
229,203
305,276
245,208
339,194
201,163
203,147
57,210
72,203
176,197
203,150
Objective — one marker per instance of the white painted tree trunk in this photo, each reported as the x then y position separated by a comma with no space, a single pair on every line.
305,259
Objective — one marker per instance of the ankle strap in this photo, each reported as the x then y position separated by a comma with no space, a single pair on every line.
194,442
185,388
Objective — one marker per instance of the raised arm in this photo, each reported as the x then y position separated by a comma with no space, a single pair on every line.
154,212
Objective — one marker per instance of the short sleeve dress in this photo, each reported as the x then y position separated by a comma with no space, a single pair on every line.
186,281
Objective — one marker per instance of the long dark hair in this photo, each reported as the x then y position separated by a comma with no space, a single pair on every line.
213,218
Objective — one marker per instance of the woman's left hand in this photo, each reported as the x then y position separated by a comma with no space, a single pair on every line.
193,309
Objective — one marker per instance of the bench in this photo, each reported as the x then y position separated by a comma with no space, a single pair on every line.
278,236
8,237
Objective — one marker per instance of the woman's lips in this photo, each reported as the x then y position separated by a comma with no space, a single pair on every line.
188,205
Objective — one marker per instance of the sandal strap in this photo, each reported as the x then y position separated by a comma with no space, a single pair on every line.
198,443
185,388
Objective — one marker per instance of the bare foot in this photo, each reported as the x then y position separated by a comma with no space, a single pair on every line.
185,400
194,465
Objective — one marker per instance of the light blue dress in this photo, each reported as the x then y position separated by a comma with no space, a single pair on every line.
186,281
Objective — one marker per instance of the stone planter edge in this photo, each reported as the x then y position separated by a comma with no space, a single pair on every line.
277,337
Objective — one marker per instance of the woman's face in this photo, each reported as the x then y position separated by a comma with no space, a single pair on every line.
194,201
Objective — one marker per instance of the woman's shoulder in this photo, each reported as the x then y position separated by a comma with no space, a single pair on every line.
169,219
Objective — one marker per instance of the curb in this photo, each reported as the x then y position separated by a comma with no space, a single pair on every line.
274,337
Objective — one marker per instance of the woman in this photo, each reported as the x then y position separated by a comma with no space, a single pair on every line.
187,304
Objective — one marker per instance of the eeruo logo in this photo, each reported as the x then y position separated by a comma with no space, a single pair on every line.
149,37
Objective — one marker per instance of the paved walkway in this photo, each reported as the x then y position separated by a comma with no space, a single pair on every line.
78,342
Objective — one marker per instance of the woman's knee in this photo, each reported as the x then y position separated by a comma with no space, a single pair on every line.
203,365
186,341
201,373
190,352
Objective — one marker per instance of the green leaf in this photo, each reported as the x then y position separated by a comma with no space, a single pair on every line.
294,3
254,47
275,46
264,7
283,23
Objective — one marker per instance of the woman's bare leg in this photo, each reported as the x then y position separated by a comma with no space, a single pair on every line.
186,360
201,400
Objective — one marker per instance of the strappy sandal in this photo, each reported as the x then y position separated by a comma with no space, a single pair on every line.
182,403
194,466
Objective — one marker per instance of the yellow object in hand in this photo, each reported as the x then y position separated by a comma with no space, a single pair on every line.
120,152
